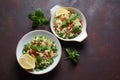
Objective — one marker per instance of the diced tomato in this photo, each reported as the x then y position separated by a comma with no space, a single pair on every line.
70,27
63,19
34,43
35,55
79,32
67,31
49,56
32,52
71,22
46,55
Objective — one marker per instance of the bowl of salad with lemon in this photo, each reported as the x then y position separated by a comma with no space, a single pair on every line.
68,23
38,52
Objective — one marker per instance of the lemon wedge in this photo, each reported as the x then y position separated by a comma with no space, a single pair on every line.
27,62
61,11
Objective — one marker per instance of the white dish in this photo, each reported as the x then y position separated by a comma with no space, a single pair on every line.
83,35
27,37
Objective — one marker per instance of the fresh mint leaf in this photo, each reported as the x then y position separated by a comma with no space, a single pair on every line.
38,18
35,23
72,55
68,51
34,18
30,15
44,21
75,53
75,60
39,13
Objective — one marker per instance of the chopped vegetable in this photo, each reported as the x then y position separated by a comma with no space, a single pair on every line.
68,24
42,49
75,29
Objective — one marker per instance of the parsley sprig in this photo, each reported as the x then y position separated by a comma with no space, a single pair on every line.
72,55
37,18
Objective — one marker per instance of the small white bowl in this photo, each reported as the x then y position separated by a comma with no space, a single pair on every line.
28,37
83,35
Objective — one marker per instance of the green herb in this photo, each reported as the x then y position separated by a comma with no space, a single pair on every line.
75,29
72,55
38,47
38,59
39,13
54,48
43,65
72,17
38,18
25,48
50,60
33,47
60,34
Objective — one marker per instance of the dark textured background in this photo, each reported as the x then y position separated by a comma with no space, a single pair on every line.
99,54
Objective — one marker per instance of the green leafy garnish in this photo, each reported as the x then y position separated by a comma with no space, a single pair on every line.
38,59
75,29
38,47
72,55
38,18
25,48
39,13
72,17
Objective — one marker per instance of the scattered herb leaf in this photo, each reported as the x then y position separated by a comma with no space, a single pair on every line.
72,55
38,18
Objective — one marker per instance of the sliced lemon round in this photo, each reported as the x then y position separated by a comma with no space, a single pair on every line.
61,11
27,62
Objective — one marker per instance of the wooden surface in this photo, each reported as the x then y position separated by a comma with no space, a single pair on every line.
99,54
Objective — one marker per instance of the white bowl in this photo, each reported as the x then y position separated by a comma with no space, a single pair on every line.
27,37
83,35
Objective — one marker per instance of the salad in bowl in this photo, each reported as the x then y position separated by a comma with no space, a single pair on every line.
68,24
38,52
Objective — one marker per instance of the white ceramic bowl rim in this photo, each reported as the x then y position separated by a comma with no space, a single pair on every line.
78,38
27,37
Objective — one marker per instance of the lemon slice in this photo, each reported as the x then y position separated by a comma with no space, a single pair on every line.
61,11
27,62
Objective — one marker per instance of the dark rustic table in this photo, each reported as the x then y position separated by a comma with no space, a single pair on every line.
99,54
